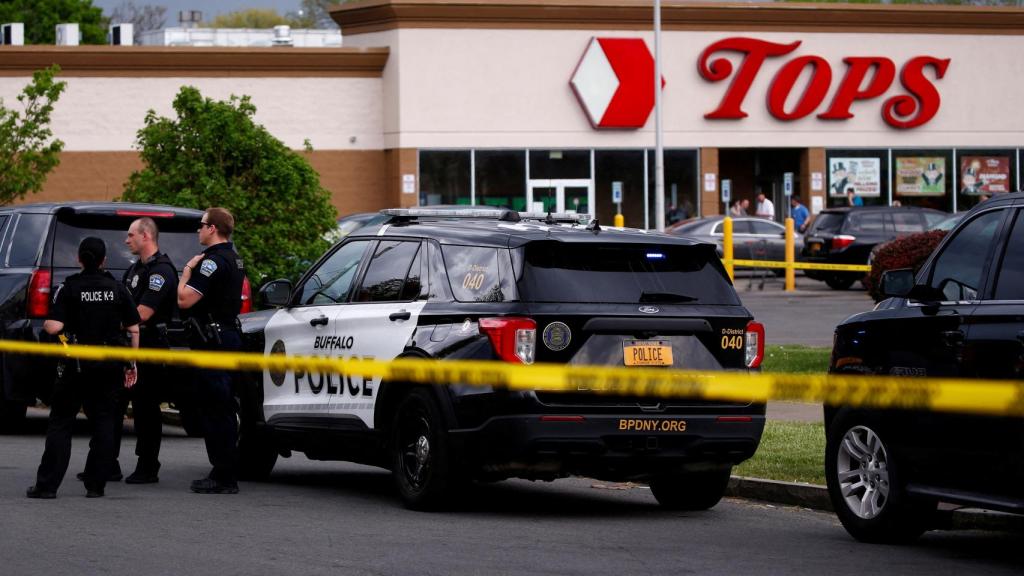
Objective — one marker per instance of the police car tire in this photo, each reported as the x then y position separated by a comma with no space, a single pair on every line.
691,490
257,453
902,518
421,457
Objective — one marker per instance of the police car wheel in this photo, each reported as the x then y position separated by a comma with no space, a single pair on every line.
691,490
421,456
864,484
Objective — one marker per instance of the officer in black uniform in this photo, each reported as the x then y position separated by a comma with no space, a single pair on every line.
153,283
90,307
210,293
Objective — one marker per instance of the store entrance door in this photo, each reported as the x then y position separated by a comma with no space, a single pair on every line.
570,195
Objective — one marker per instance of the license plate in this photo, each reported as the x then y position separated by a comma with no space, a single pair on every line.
647,353
652,425
815,247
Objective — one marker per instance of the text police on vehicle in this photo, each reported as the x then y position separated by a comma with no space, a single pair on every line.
492,284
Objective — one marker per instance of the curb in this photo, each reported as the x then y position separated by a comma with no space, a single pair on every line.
815,497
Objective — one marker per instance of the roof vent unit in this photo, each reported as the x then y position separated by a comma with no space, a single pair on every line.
121,34
12,34
68,34
282,35
190,18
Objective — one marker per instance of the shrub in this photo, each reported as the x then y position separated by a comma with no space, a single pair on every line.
906,252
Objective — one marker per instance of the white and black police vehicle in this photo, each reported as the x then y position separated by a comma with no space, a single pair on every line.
493,284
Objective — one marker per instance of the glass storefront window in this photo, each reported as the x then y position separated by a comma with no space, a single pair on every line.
982,174
627,167
923,178
680,186
501,178
444,177
864,172
559,164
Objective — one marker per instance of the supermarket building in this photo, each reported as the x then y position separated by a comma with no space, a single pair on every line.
547,104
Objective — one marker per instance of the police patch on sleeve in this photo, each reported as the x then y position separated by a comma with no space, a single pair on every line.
156,282
208,267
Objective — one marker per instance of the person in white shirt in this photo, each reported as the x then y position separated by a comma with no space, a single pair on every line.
765,208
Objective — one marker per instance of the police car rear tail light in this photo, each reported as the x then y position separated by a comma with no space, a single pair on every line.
514,338
754,349
842,241
39,294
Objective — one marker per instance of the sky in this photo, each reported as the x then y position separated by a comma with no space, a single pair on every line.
209,8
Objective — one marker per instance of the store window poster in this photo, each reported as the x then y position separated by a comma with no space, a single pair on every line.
864,175
921,176
984,175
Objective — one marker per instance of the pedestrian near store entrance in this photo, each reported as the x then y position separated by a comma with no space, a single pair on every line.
799,214
90,307
765,207
210,295
152,281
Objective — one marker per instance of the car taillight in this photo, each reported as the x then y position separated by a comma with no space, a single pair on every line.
246,296
842,241
39,294
754,349
514,338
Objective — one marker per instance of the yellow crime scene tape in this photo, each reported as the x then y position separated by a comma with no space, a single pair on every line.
800,265
996,397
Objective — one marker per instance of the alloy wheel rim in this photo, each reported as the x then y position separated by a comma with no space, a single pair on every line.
416,452
862,469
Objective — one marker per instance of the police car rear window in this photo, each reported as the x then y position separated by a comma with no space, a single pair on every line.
623,274
177,238
479,274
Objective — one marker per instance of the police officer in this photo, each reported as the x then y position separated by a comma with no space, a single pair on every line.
153,282
210,293
90,307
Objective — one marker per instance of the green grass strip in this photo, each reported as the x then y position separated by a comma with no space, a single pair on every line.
794,359
789,451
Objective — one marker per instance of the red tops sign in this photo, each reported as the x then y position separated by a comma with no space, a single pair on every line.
866,78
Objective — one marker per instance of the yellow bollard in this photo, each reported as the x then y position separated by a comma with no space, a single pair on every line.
727,245
790,257
620,221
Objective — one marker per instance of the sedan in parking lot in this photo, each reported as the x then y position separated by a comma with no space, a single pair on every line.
753,238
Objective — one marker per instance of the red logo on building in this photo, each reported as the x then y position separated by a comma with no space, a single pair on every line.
613,82
866,78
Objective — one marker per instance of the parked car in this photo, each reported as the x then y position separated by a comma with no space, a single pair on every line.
846,236
38,250
905,252
753,238
496,285
961,316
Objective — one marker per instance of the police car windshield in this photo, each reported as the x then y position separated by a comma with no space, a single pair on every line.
177,238
623,274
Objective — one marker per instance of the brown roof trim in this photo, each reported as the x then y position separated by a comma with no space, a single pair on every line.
363,16
187,61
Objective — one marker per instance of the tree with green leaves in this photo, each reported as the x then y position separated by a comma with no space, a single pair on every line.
214,154
28,150
42,16
251,18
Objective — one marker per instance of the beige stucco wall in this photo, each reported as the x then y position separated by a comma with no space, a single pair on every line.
510,88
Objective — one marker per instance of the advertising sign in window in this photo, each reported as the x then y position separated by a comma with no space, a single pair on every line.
921,176
861,174
984,175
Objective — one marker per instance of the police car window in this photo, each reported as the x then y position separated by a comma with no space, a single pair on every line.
1010,282
386,276
959,268
907,222
332,281
474,274
27,240
623,274
413,282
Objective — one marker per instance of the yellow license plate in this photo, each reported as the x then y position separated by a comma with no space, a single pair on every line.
646,353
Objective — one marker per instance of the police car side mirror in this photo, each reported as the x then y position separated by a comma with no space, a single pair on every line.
275,294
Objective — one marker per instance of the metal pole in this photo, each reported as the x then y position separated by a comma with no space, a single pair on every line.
659,152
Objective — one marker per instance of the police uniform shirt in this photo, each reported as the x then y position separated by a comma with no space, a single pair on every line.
154,283
94,307
218,277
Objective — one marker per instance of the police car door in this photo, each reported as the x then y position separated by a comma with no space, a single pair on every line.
307,327
378,323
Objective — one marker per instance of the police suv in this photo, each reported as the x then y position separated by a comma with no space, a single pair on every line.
498,285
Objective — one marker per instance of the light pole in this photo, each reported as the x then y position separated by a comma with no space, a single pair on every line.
659,152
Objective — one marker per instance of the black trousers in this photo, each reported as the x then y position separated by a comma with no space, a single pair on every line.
218,411
94,388
145,397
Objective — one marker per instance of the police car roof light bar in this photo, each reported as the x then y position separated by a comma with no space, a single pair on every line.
462,213
556,217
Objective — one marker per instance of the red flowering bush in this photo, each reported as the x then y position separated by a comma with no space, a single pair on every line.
906,252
